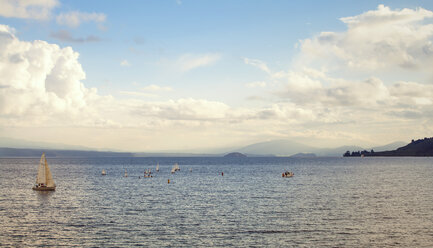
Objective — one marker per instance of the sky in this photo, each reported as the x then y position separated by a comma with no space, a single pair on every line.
198,76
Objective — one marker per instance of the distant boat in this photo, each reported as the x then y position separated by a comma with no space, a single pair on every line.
157,167
190,169
288,174
173,170
126,174
103,172
44,180
147,173
176,167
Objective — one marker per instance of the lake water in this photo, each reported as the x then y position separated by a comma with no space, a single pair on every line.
330,202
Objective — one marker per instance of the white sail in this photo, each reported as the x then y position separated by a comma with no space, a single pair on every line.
103,172
173,170
48,175
157,167
41,178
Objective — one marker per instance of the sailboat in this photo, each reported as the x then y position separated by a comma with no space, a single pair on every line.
103,172
176,167
44,180
157,167
173,170
126,173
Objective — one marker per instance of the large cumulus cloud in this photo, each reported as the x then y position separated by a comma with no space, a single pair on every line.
38,78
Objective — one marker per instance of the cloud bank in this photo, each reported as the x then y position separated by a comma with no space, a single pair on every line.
375,76
36,9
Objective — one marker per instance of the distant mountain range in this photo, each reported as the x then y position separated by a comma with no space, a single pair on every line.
18,148
23,152
289,148
19,143
275,148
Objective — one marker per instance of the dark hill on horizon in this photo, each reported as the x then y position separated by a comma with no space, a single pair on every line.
235,155
417,148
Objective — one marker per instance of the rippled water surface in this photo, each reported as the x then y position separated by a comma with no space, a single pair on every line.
330,202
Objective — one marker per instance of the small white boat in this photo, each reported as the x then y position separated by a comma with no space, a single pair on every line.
44,180
176,167
173,170
157,167
103,172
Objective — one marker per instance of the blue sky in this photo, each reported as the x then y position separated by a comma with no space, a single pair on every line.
196,75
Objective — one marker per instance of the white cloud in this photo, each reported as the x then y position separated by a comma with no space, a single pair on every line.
377,40
381,42
40,80
304,90
74,19
154,87
189,62
34,9
148,91
258,63
125,63
412,93
257,84
185,109
136,93
384,16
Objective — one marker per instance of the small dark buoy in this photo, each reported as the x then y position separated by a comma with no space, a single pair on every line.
222,173
168,181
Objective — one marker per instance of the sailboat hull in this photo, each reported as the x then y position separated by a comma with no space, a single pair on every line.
44,188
